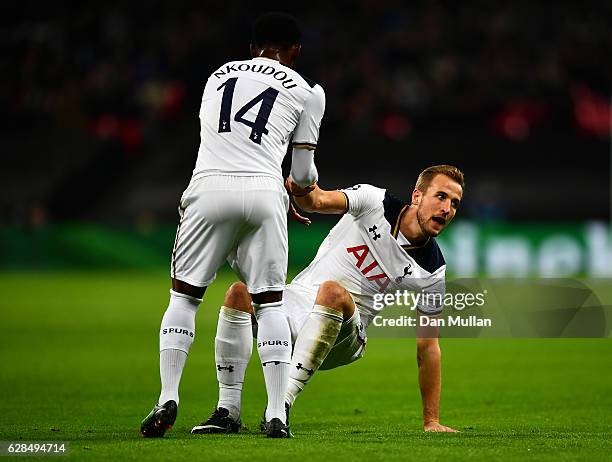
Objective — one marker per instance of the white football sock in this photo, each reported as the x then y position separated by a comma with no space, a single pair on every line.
176,335
233,349
171,363
274,348
313,344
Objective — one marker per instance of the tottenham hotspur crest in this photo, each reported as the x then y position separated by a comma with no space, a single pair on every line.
407,272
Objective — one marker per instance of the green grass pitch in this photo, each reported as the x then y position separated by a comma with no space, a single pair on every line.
79,355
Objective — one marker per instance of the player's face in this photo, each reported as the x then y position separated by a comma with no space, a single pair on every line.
438,204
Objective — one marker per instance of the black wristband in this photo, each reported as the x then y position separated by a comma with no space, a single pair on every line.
301,195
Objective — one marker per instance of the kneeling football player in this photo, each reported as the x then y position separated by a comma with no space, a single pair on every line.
380,245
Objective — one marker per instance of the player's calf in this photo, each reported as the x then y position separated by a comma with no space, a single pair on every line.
318,335
233,349
176,335
274,348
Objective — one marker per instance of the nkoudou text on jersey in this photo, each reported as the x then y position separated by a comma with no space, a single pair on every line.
250,112
363,253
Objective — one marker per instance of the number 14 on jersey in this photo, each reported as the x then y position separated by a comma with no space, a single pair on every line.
258,127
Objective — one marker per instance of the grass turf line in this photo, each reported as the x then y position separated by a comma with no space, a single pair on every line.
80,356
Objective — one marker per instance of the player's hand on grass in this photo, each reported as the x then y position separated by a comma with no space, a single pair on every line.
437,427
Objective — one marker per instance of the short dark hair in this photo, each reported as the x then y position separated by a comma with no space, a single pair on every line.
276,29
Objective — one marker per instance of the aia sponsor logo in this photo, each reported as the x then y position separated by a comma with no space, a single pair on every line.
372,271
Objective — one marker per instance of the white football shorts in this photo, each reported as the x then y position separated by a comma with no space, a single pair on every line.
298,302
241,219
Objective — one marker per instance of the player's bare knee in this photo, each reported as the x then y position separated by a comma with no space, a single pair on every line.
333,295
237,297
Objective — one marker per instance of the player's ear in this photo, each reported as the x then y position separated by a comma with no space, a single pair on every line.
416,197
295,52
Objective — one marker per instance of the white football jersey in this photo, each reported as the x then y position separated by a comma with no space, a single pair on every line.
250,112
367,255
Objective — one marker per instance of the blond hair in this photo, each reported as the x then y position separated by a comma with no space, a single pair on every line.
427,175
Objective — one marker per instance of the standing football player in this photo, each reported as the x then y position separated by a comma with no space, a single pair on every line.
380,245
235,209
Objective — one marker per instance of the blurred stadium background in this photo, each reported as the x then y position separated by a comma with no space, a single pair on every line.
100,134
101,131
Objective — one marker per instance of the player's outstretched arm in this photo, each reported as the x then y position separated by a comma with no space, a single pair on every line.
429,360
314,199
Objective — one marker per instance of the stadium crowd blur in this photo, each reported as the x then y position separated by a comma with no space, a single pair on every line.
100,101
